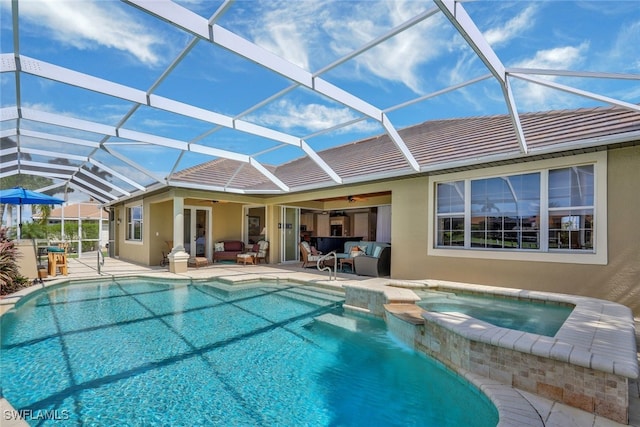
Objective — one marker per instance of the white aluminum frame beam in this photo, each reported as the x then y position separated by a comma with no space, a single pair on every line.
29,164
54,154
571,73
579,92
97,196
102,181
95,188
58,138
456,14
116,174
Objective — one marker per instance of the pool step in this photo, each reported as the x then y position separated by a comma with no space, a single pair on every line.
310,296
349,324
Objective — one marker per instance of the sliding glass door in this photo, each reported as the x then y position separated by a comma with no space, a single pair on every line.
289,229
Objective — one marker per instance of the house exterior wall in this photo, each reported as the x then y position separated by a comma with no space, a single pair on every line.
618,280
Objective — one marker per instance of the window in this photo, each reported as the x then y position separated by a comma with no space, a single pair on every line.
517,212
134,223
450,213
571,207
505,212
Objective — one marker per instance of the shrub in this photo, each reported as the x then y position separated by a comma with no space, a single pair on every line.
10,278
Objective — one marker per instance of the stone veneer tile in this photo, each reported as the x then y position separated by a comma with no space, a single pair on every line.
579,400
550,391
611,411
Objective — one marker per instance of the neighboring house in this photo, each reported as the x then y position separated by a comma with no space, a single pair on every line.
561,217
79,214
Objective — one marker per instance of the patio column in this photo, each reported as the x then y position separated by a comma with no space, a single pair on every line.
178,258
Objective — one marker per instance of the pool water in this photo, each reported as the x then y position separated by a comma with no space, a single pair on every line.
131,352
522,315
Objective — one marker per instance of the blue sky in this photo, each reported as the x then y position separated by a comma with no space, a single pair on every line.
118,42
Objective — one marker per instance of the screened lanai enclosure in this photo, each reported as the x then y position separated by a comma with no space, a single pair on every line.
115,99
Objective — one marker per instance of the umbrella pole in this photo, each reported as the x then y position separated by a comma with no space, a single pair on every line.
19,221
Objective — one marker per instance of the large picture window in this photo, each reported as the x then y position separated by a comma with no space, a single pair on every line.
134,223
545,211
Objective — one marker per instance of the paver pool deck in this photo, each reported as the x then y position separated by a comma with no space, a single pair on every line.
516,407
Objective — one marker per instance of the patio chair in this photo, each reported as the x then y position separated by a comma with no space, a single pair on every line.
307,254
259,251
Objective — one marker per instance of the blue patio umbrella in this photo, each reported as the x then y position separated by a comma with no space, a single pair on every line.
21,196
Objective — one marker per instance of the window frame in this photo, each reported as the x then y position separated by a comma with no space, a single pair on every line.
130,224
599,255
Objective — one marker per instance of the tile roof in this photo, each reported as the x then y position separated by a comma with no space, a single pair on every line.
436,145
86,210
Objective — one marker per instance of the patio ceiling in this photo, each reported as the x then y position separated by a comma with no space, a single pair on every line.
114,121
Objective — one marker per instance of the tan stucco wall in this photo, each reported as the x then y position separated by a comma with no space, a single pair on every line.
160,230
131,251
227,221
619,280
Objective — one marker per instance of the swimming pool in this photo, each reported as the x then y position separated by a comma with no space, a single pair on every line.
132,352
523,315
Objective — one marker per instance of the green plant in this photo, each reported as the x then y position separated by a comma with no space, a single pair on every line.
10,278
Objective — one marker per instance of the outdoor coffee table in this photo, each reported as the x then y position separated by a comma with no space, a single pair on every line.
346,261
245,258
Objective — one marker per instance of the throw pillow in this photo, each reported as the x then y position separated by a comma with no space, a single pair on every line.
363,249
377,251
219,247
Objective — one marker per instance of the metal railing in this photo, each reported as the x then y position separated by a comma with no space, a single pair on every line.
322,266
100,263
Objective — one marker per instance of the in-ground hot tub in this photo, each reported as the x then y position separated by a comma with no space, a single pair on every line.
538,317
586,364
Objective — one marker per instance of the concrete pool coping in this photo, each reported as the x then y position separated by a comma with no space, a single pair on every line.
514,405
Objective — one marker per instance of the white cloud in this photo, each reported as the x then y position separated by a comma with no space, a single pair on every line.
289,116
536,97
312,34
513,27
288,29
86,24
626,49
559,58
398,59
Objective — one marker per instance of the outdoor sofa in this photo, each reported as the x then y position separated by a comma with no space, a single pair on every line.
370,258
228,250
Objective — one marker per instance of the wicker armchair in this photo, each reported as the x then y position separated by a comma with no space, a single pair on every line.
307,256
